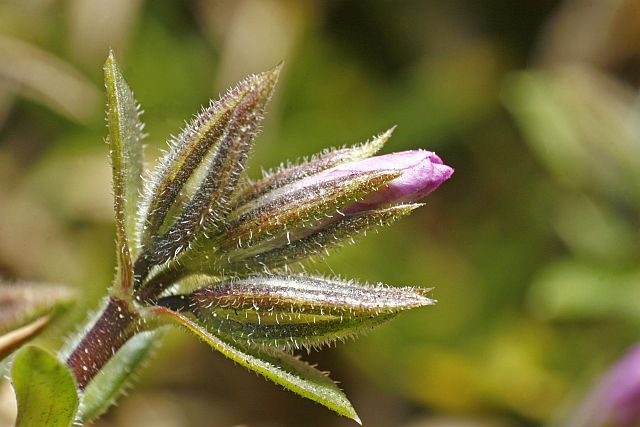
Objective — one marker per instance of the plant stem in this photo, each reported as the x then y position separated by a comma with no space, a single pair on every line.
112,329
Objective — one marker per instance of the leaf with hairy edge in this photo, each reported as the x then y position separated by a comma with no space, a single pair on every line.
126,133
318,163
212,151
337,232
25,309
104,389
280,367
45,389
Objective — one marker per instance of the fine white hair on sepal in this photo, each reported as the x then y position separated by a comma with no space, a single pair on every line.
295,206
294,171
190,188
294,312
317,240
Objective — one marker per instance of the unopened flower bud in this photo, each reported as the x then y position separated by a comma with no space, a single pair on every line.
322,210
421,172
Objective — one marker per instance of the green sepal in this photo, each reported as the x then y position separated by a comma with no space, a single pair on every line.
295,336
318,242
283,214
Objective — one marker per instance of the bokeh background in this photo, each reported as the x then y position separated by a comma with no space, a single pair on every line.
532,246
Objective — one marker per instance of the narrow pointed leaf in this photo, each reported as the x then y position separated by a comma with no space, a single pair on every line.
112,380
317,163
280,367
206,161
317,242
45,389
126,133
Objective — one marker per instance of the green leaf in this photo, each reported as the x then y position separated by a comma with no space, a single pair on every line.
45,389
278,366
104,389
126,133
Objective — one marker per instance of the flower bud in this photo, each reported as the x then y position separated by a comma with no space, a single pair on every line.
321,211
421,172
273,180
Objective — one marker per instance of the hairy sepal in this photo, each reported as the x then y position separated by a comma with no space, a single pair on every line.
290,209
125,137
315,242
290,312
273,180
277,366
205,162
294,331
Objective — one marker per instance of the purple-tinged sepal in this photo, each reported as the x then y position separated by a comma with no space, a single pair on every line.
291,312
319,212
302,204
189,192
282,176
312,243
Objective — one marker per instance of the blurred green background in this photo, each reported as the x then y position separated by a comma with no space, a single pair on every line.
532,246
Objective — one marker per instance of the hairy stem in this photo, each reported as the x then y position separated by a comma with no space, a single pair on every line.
115,325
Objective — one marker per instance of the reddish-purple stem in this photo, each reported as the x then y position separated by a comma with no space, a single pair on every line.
110,332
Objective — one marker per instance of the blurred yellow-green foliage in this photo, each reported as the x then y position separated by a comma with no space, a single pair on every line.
533,246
